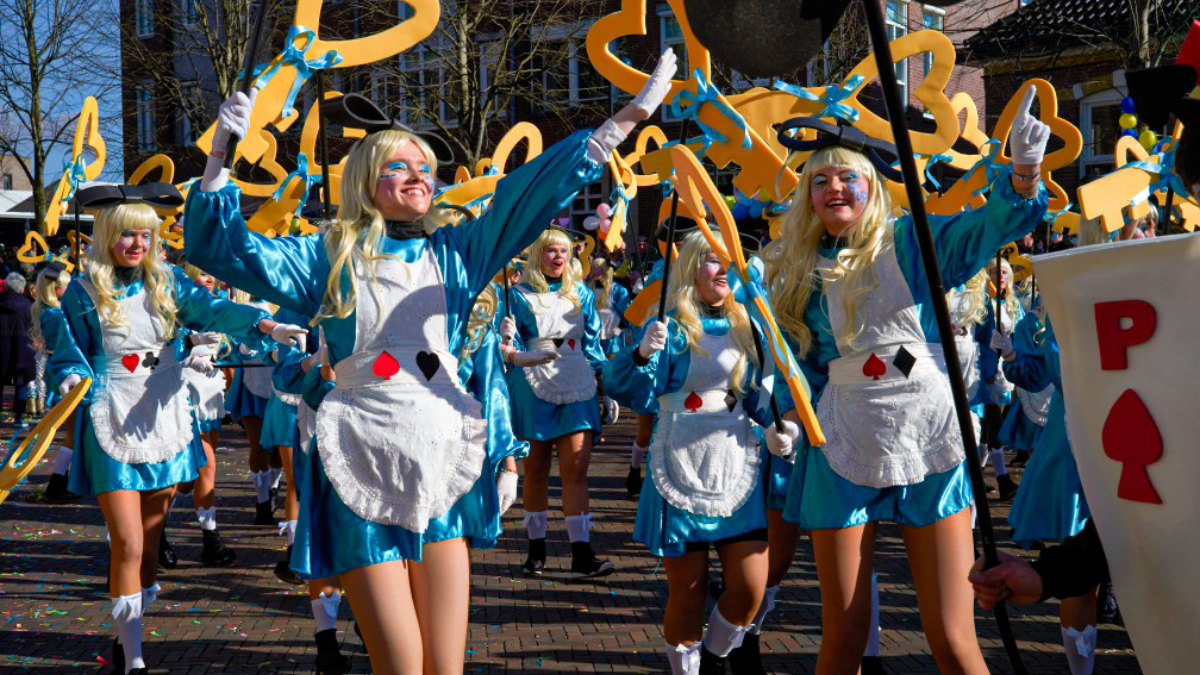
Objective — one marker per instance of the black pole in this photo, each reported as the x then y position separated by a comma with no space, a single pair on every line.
758,348
937,292
323,147
247,74
507,295
999,292
1165,221
662,297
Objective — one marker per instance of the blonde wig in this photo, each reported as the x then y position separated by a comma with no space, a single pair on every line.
603,286
45,295
1011,301
483,313
685,301
358,231
157,277
972,309
532,275
791,259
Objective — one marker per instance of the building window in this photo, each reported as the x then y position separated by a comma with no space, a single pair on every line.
189,12
1099,120
424,88
146,127
189,133
6,181
585,203
671,37
897,27
143,11
931,21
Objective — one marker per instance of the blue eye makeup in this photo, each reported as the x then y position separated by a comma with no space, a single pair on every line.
399,165
850,175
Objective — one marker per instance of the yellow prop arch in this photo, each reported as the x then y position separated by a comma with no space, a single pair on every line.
469,189
87,132
1107,197
27,455
35,250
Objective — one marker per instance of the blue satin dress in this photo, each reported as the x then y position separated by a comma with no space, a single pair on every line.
1018,431
279,418
538,420
663,528
618,301
818,498
80,351
293,272
1050,504
52,322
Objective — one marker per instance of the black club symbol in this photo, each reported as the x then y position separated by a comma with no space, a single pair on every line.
151,361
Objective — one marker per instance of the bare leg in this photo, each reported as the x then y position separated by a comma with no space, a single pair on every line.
291,502
154,515
574,456
687,584
744,566
441,590
783,537
1080,612
845,558
205,492
383,606
940,556
258,456
327,586
122,511
536,486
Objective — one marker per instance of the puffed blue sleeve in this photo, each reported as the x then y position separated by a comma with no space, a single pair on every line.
201,311
1029,370
315,388
491,389
524,202
291,272
51,321
639,386
80,340
966,241
591,327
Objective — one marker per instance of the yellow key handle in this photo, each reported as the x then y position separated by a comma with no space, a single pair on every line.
22,461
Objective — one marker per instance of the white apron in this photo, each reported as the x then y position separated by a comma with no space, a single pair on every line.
207,390
704,458
560,326
884,428
1036,405
964,340
399,437
140,409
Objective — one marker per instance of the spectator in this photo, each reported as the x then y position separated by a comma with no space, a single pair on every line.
18,365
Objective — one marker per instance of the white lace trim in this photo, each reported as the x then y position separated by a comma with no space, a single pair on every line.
286,398
554,383
714,503
119,445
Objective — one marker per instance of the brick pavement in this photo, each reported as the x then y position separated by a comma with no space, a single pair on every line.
54,613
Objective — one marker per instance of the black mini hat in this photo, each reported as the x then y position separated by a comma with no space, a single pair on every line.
162,195
359,112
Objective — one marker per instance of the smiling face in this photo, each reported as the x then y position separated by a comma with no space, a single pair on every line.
839,196
710,281
131,248
206,280
405,186
555,258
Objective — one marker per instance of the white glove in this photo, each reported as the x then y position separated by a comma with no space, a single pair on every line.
782,445
1003,346
612,411
205,350
199,339
246,351
68,384
233,119
656,88
200,364
536,357
291,335
1029,136
506,490
507,329
610,324
653,340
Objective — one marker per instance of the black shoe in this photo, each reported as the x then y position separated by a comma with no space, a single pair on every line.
710,663
57,492
118,657
1008,488
585,564
330,660
990,488
872,665
1107,610
284,572
746,660
1021,459
633,482
216,553
166,553
264,513
535,563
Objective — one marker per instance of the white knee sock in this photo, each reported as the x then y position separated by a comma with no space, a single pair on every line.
535,524
578,528
127,615
288,527
62,461
325,610
636,455
262,485
275,475
873,636
684,659
149,595
1081,649
998,465
764,608
207,518
722,637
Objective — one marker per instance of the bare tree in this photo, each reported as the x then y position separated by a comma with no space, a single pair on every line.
53,53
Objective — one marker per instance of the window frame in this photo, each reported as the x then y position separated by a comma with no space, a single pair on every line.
1087,106
147,127
895,31
143,18
665,14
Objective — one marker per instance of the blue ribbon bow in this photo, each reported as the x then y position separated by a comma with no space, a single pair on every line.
707,93
304,68
309,181
74,172
934,160
988,163
834,95
745,291
1162,164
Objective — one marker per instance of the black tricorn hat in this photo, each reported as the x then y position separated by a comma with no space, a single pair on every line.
359,112
162,195
1158,92
842,135
683,227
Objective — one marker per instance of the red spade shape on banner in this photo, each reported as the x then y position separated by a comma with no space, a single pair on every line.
693,402
1131,437
130,361
386,366
874,367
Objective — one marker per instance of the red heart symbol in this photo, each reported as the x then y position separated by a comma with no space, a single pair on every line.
571,343
130,361
1131,437
385,366
693,402
874,367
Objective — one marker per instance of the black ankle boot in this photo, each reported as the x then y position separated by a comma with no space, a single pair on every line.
872,665
633,482
710,663
216,553
330,660
585,564
284,571
535,563
56,490
166,553
746,660
118,657
264,513
1008,488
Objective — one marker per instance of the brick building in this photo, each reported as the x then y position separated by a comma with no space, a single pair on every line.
12,177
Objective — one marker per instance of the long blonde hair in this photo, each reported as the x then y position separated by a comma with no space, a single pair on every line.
1011,301
532,274
44,295
155,274
791,259
482,315
971,309
603,287
683,298
358,231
